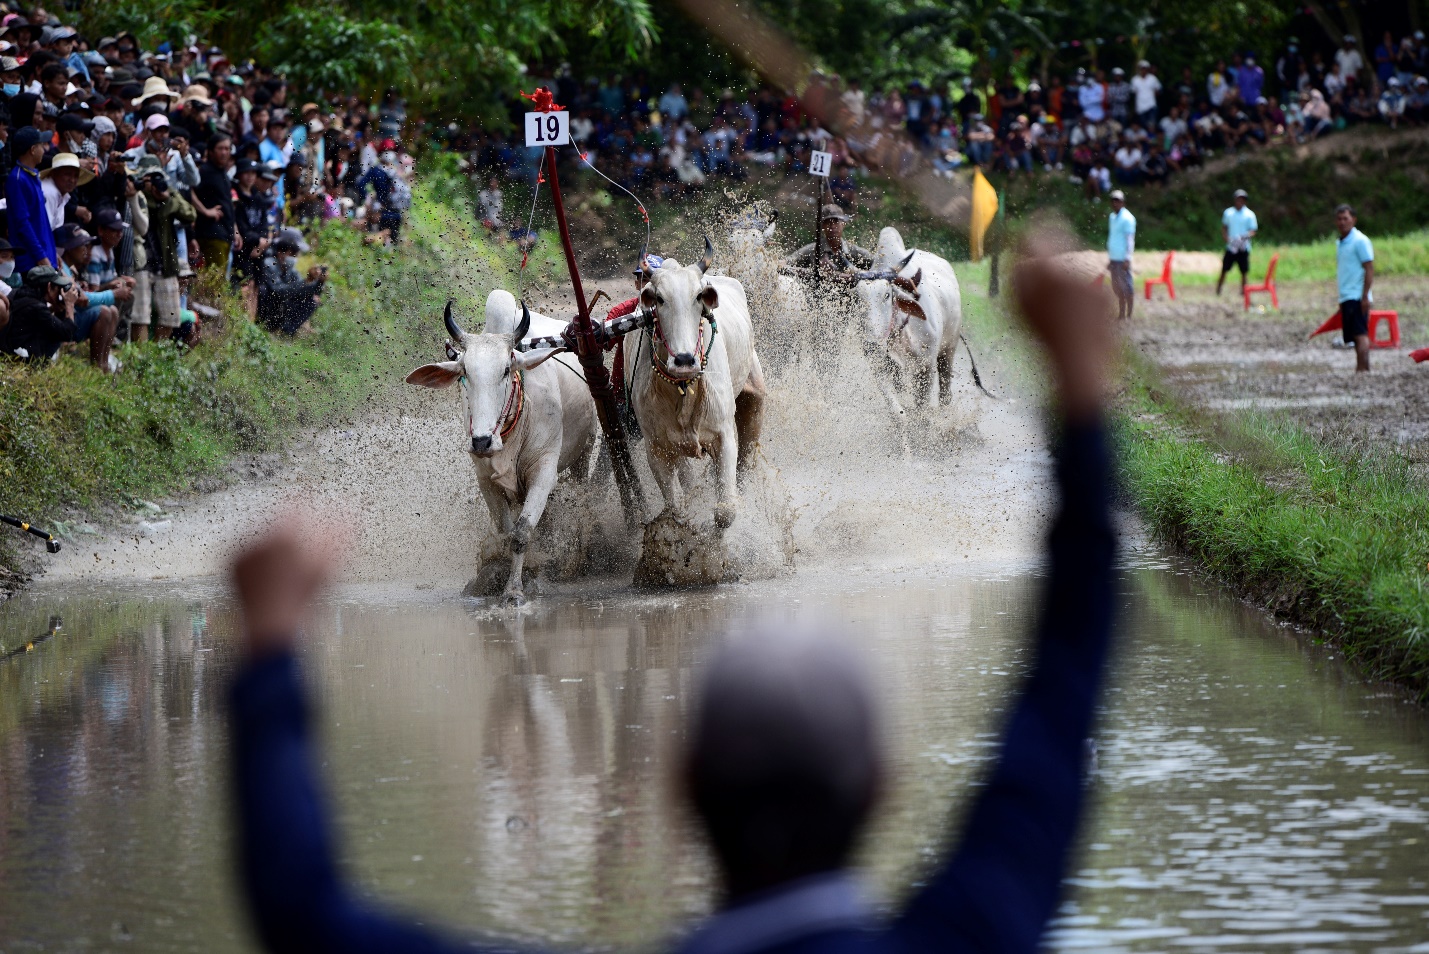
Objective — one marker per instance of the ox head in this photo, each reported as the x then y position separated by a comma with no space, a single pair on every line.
749,233
891,299
485,365
680,297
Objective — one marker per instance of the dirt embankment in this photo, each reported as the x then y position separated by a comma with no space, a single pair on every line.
1220,357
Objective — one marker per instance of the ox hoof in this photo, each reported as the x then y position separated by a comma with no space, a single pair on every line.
724,516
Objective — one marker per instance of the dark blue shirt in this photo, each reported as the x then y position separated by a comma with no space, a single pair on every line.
29,222
995,892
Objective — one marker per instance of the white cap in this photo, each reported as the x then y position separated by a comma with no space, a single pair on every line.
1118,195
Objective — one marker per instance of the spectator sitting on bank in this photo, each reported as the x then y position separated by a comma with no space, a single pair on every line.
42,317
1098,181
1416,106
491,205
1154,167
285,300
1392,102
9,281
104,271
1128,162
95,308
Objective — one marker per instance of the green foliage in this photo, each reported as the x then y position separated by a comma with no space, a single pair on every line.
151,21
1330,537
323,49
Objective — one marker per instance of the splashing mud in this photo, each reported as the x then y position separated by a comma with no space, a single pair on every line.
839,478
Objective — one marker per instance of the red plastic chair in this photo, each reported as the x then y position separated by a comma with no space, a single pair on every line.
1165,278
1390,318
1267,286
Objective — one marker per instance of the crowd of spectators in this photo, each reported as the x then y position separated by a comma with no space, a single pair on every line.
128,174
1100,128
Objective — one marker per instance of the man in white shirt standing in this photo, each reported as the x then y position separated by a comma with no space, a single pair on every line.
1120,244
1145,86
1348,58
1238,227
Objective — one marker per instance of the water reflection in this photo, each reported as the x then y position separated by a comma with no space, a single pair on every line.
509,774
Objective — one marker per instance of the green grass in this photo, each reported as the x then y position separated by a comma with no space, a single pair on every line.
1329,537
1294,198
1394,255
74,442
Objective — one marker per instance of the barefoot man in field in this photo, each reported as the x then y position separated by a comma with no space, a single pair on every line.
1355,273
1120,243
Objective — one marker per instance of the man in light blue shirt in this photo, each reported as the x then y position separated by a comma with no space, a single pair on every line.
1120,244
1238,227
1355,276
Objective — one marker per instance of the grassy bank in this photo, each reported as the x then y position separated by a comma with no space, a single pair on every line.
75,443
1315,261
1330,537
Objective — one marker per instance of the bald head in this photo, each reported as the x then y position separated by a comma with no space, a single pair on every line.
784,761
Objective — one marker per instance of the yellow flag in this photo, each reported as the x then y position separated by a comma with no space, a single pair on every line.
984,210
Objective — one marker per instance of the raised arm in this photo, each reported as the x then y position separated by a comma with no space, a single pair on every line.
1002,882
297,898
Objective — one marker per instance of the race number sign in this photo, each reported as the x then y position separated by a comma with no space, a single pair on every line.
548,129
819,163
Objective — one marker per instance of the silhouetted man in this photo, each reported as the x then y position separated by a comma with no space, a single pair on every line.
783,763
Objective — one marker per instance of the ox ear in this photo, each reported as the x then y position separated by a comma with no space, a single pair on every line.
910,285
526,360
909,307
709,297
441,375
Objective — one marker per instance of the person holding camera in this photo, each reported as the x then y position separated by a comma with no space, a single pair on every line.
47,311
157,286
285,299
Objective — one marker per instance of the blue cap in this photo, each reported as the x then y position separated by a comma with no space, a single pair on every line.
25,139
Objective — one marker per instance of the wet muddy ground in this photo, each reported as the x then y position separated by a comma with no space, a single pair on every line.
1223,358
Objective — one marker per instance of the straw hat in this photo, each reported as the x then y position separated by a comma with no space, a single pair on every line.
153,86
67,160
197,93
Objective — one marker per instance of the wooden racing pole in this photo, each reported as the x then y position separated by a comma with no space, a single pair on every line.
588,349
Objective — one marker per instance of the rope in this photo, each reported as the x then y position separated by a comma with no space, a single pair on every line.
526,253
644,214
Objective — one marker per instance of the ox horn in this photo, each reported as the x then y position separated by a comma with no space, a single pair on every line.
453,328
708,258
525,326
906,259
640,262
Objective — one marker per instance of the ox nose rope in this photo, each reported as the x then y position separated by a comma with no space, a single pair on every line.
703,351
51,544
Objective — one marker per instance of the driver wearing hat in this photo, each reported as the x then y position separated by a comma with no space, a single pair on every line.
832,253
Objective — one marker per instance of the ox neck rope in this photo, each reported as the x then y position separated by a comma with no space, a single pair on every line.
704,352
515,395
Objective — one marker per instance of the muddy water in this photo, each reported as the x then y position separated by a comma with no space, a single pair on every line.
507,772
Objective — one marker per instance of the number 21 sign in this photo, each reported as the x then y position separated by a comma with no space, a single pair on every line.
548,129
819,163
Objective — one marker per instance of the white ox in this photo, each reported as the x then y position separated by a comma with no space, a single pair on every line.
914,316
695,382
528,421
784,321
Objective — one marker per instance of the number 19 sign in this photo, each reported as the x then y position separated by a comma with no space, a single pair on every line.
819,163
548,129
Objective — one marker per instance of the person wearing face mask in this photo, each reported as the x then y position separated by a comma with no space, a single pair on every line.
10,80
